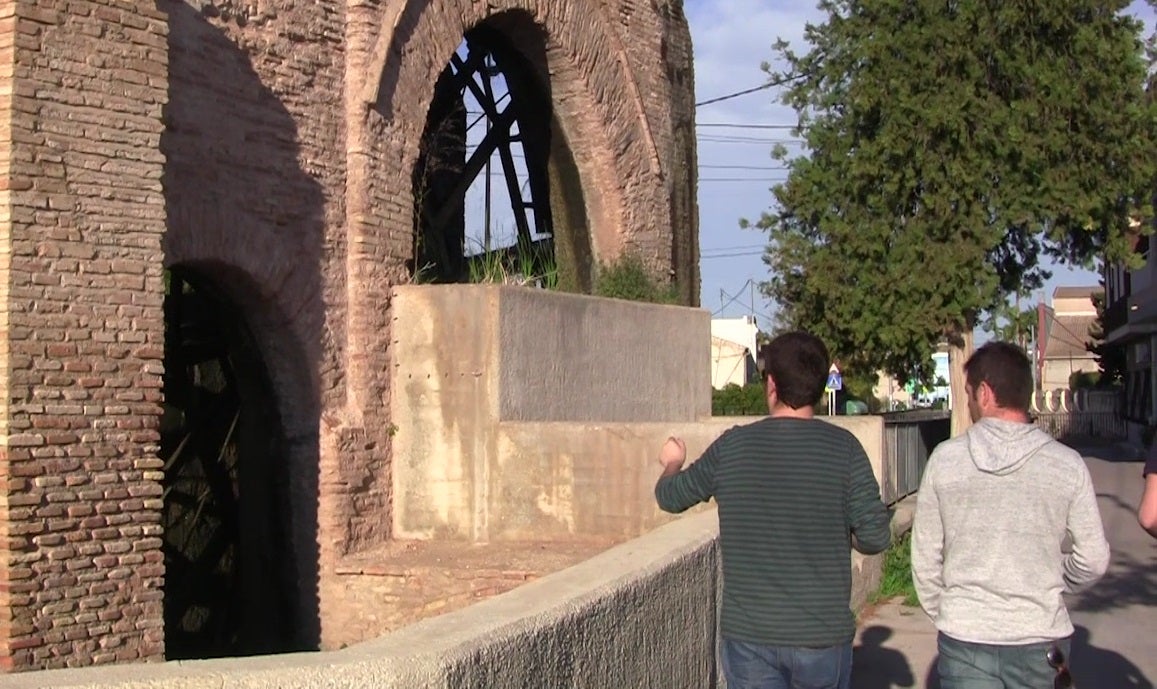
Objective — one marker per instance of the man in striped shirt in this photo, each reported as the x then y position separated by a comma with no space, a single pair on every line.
794,492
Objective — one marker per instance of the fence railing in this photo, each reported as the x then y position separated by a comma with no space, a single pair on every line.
1080,414
1083,425
909,438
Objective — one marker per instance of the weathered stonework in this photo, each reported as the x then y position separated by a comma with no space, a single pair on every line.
268,146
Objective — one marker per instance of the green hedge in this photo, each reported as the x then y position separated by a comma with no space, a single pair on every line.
734,400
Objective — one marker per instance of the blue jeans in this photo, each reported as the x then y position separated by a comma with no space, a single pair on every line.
755,666
965,665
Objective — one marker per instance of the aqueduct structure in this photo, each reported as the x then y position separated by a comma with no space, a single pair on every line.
206,205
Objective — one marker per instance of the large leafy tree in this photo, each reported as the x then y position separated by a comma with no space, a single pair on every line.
1010,320
949,147
1110,357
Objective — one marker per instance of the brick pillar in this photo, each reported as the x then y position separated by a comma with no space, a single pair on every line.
82,85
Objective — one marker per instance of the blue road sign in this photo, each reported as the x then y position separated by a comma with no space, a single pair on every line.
835,381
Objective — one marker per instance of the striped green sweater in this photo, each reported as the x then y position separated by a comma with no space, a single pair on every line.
790,492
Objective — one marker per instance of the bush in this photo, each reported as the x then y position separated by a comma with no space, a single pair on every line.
627,278
734,400
897,577
1084,380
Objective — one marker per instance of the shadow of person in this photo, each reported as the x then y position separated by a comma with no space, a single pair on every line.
877,667
933,679
1100,667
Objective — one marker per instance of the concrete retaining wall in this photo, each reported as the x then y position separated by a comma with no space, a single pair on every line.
520,433
642,614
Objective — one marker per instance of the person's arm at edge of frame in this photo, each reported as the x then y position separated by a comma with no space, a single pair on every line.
678,490
869,519
928,543
1089,559
1147,510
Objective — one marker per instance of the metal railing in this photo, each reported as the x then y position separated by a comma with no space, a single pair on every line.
1080,414
909,438
1083,425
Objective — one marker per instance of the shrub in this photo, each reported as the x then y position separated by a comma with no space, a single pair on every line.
627,278
733,400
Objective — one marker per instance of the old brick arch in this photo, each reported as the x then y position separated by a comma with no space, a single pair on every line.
230,570
500,70
268,145
634,178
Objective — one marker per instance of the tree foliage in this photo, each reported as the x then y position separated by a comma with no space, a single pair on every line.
1009,321
949,148
1110,357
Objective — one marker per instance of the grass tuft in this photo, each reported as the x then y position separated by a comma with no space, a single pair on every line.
897,579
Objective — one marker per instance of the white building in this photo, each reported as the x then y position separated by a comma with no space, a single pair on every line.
1066,337
734,343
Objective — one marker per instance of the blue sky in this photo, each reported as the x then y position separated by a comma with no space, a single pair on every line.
731,38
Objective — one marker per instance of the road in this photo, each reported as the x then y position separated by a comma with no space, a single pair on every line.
1115,645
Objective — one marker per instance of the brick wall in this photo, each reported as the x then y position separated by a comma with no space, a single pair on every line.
81,235
253,188
265,167
394,54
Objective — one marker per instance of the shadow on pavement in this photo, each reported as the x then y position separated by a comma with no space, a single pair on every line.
1092,667
1130,581
1099,667
933,680
876,667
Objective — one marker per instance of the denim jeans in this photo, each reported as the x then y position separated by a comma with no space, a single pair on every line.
965,665
755,666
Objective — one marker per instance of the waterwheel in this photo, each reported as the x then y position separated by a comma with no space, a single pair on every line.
224,495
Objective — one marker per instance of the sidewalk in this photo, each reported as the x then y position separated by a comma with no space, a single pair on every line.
895,647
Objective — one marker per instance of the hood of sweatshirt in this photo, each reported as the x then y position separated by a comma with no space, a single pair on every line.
1002,447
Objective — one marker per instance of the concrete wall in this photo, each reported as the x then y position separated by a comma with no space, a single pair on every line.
565,357
642,614
463,469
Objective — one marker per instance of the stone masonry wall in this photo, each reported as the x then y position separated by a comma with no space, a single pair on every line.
253,188
80,232
266,145
603,100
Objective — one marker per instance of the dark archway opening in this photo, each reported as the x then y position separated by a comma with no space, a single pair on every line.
228,572
497,194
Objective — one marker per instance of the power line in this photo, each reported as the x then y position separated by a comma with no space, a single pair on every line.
734,248
744,167
771,84
734,179
740,125
732,254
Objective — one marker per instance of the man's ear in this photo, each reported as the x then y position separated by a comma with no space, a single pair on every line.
987,397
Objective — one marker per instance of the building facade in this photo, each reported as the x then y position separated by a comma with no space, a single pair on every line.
205,205
1130,326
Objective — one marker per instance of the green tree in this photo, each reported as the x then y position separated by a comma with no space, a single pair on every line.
1011,322
1110,357
948,148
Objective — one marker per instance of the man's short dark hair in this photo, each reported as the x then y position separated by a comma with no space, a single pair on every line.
797,362
1006,369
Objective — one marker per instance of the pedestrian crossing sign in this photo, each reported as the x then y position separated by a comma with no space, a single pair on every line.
835,380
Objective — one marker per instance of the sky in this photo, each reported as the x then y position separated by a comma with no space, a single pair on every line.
736,172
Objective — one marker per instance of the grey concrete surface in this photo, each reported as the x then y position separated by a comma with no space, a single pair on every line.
1115,644
642,614
570,357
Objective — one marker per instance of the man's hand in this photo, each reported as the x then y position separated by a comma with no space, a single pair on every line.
672,456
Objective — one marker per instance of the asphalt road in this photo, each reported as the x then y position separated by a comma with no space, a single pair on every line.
1115,645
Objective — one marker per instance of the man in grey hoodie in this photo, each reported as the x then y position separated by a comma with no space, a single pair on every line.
993,510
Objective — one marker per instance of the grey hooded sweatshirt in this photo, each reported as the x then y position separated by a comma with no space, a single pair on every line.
993,510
